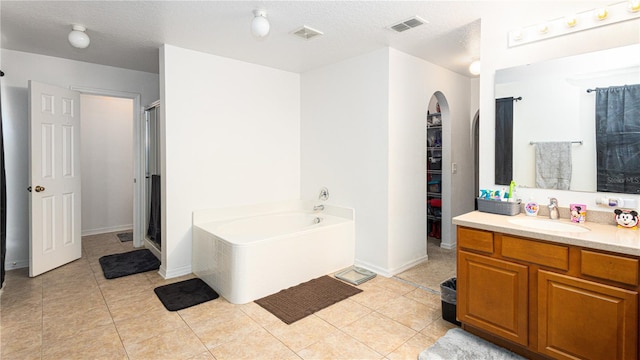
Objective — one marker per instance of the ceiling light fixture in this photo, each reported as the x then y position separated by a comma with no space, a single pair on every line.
474,68
78,38
260,25
614,13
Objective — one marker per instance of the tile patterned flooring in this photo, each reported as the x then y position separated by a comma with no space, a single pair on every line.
73,312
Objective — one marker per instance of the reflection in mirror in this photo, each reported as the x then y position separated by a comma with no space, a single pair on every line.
556,107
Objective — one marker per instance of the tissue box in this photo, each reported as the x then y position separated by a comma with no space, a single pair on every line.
578,213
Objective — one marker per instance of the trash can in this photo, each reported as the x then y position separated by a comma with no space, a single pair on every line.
448,298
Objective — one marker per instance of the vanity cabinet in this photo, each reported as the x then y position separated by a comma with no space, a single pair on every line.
547,300
585,320
495,294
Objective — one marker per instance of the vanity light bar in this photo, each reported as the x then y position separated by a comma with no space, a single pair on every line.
590,19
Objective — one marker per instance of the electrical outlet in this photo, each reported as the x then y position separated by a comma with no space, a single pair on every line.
454,168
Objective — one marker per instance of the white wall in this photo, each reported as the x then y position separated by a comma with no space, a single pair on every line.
496,55
232,137
413,82
344,145
19,67
107,163
363,136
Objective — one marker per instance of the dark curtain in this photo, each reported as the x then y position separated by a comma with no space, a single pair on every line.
618,139
504,141
3,201
154,214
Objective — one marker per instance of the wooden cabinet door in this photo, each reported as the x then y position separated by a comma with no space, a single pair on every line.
492,294
579,319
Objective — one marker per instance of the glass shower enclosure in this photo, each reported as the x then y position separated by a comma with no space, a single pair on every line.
152,174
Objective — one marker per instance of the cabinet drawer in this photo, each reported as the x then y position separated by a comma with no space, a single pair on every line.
554,256
609,267
475,239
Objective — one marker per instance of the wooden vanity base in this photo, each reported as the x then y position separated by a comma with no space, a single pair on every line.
546,300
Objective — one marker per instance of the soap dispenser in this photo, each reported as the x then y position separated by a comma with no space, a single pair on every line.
531,208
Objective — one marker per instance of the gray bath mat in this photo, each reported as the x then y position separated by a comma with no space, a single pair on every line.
458,344
128,236
129,263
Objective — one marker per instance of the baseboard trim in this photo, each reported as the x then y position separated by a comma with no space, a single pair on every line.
173,273
376,269
411,264
105,230
448,246
391,272
15,264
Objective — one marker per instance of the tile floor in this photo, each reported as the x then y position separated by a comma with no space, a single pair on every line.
73,312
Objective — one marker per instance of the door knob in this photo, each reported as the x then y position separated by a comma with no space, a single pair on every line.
39,188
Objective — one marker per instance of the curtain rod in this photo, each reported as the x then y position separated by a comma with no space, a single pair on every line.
573,142
1,73
517,98
591,90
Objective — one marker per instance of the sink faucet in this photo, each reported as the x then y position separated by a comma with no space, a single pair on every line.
318,208
553,209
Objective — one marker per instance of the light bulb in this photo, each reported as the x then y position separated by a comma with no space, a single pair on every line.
601,13
543,28
517,35
78,38
633,5
260,25
474,68
571,20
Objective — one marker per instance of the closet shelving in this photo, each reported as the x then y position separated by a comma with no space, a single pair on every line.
434,174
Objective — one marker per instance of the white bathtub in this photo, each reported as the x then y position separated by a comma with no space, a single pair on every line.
247,253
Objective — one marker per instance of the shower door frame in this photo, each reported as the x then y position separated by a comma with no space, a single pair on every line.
146,183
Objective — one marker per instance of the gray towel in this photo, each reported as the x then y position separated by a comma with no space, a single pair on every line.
553,165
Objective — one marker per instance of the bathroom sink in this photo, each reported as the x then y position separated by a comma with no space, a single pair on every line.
551,225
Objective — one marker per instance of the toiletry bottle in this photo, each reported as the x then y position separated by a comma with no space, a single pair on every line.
611,201
512,191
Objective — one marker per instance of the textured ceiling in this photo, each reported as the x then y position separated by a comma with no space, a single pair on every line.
128,34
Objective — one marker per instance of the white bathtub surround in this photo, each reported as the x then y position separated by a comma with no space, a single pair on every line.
246,253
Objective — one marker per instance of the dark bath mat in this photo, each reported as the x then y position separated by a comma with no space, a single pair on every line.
128,236
300,301
184,294
129,263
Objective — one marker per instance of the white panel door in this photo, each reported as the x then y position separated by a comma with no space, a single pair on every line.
54,172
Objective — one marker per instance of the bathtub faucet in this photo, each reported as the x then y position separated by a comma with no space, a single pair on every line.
318,208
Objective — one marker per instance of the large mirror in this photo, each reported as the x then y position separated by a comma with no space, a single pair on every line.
553,102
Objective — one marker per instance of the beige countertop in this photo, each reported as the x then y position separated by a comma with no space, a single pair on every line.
600,236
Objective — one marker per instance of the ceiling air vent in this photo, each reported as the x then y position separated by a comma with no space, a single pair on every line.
408,24
307,33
